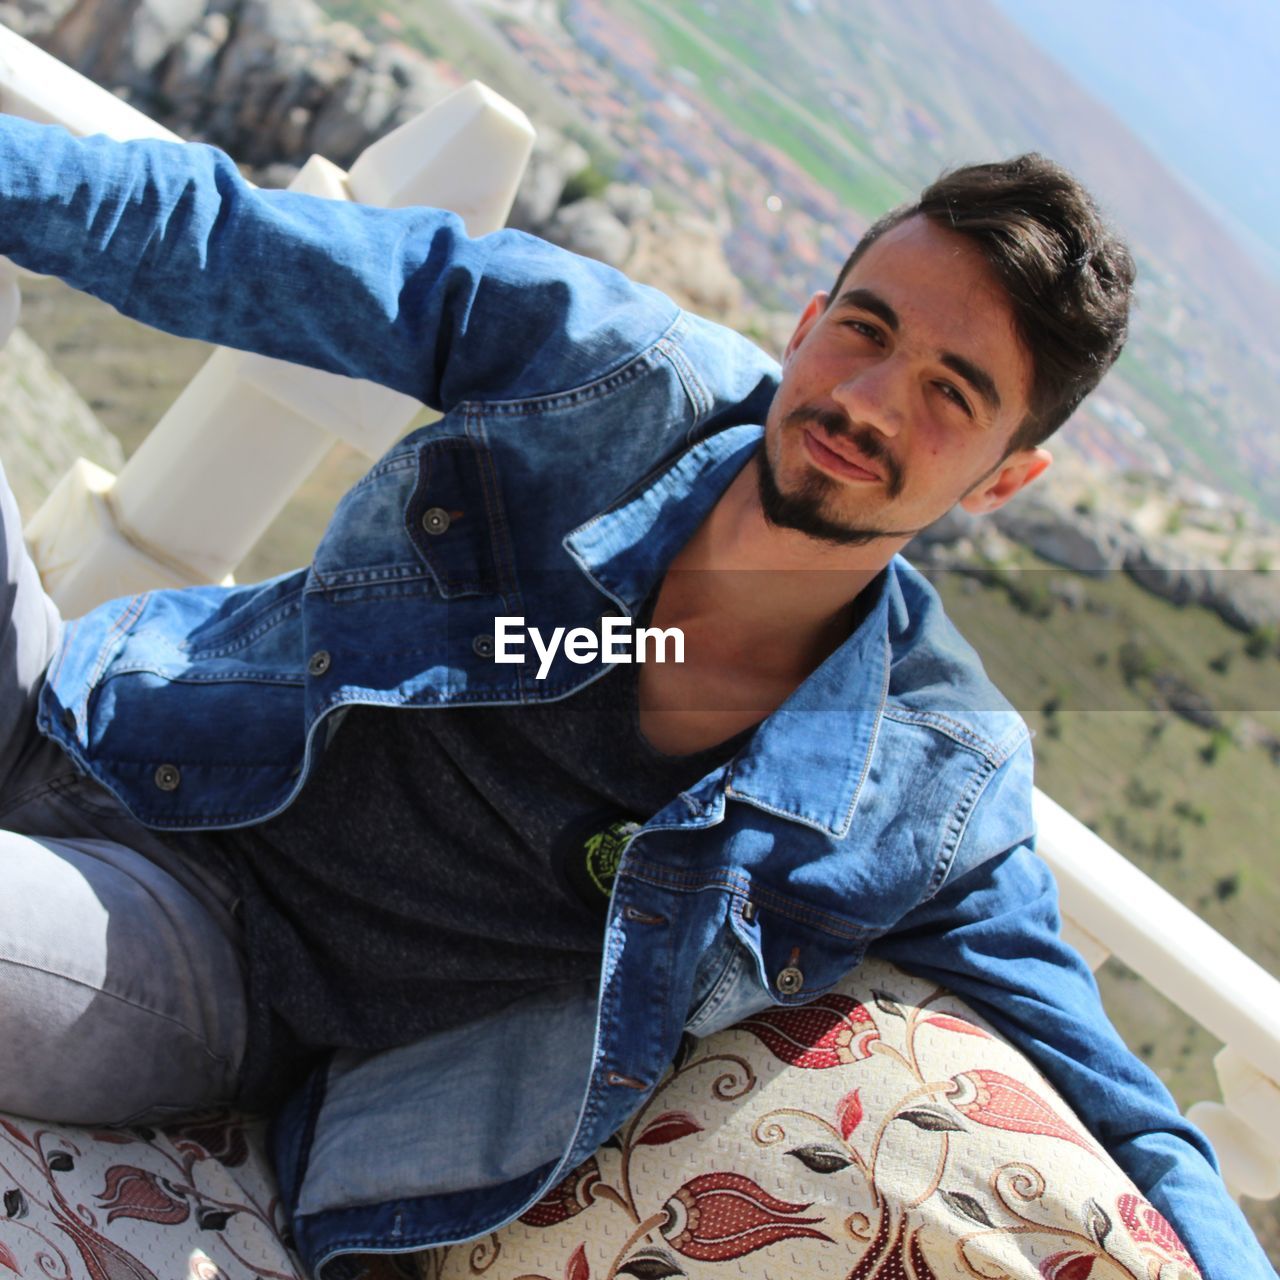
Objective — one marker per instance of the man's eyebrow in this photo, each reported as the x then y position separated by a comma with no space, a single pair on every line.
975,375
873,302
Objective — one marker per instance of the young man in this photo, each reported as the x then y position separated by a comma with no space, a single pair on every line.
231,847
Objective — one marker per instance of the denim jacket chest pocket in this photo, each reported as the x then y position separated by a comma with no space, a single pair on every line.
456,520
427,520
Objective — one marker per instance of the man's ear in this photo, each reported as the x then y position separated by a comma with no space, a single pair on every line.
808,318
996,488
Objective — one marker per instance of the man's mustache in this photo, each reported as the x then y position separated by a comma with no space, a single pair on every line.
868,442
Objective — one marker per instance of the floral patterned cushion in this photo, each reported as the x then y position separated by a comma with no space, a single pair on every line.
195,1201
881,1132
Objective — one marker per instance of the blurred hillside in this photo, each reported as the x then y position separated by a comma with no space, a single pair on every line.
781,128
790,126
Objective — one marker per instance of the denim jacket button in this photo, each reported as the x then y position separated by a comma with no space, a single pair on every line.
482,645
319,662
167,777
790,980
435,520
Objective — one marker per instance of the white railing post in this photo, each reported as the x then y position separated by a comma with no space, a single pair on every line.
1245,1127
36,86
1113,908
246,426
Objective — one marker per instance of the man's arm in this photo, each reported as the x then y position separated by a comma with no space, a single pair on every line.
172,235
992,938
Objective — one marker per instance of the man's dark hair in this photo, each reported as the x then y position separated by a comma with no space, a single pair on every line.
1069,278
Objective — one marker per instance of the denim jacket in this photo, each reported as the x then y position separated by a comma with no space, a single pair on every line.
589,425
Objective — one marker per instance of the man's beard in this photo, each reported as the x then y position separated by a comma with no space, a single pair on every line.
802,509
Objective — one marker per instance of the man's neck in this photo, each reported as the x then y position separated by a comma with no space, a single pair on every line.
754,596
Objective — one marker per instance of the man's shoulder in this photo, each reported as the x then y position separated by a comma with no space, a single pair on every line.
728,377
937,678
580,323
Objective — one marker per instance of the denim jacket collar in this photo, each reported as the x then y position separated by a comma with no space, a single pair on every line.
809,758
626,549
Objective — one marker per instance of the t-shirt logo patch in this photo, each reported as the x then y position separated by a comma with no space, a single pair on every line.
603,853
587,855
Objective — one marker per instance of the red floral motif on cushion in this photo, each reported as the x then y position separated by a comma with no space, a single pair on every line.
867,1264
958,1025
892,1264
223,1140
667,1128
578,1268
1147,1225
849,1113
1001,1102
14,1132
138,1193
568,1198
103,1259
830,1031
718,1216
1067,1266
919,1264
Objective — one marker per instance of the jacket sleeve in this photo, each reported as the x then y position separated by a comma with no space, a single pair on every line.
992,938
172,235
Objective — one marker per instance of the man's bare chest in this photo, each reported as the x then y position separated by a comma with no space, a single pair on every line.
690,706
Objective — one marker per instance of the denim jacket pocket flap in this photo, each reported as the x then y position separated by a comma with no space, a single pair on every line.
797,957
455,519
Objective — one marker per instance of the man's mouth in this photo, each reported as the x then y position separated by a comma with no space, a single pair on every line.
838,456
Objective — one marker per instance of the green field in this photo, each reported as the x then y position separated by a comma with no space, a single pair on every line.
1190,420
754,104
1139,776
1198,817
1190,806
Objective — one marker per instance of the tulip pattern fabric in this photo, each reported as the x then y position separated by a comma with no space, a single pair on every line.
194,1201
880,1132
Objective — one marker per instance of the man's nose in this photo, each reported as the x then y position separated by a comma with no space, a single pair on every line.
875,395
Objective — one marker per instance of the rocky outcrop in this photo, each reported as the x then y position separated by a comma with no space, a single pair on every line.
270,81
590,227
274,81
44,424
1164,573
1091,543
1087,543
554,161
682,254
1248,600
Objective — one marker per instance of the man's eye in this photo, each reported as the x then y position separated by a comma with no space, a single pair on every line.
950,393
867,330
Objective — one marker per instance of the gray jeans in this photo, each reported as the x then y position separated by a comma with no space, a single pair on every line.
122,987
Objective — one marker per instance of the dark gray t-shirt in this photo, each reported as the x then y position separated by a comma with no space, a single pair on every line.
442,862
